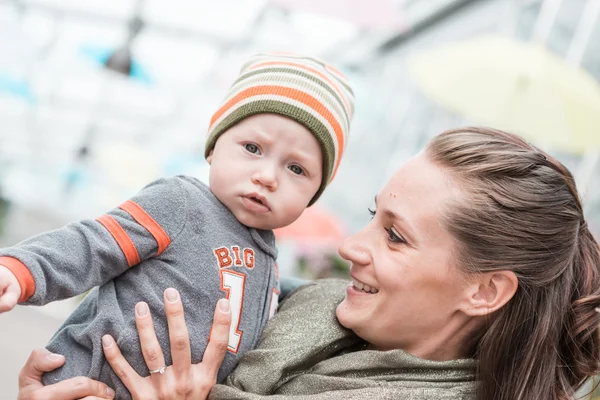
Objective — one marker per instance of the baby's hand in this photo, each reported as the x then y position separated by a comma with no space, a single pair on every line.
10,291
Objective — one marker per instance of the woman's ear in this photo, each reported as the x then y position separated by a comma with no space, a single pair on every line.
489,292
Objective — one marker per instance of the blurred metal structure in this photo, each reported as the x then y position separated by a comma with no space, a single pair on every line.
58,147
403,118
78,138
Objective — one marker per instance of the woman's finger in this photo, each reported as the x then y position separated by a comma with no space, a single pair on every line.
74,388
219,338
39,361
120,366
178,333
151,350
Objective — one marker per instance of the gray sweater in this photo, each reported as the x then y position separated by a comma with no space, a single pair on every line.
174,233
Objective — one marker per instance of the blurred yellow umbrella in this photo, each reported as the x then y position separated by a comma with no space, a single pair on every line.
515,86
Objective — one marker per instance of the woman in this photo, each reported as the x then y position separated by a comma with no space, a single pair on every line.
477,279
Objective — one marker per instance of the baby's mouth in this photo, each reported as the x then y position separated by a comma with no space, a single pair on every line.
257,200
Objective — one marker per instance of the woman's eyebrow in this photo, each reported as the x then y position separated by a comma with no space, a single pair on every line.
407,227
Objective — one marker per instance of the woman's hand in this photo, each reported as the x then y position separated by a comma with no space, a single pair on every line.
182,380
32,388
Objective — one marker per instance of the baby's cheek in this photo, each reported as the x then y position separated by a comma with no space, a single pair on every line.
292,212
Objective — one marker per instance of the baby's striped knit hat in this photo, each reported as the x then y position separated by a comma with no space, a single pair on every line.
304,89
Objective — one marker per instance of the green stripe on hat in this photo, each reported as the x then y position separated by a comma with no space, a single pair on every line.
310,85
293,72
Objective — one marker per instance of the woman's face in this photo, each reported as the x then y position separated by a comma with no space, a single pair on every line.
414,293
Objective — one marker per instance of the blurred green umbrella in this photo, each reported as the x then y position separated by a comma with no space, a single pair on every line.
515,86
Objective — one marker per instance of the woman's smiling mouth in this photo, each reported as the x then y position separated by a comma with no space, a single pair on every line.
358,285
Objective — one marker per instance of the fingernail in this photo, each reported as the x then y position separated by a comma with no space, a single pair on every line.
110,393
141,309
54,357
107,341
172,295
224,305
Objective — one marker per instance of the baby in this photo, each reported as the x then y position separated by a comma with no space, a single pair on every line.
273,146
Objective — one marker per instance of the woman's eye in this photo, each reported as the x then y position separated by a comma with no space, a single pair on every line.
372,212
393,237
252,148
296,169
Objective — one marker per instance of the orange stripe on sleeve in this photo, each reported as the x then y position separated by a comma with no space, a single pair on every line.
23,275
145,220
123,240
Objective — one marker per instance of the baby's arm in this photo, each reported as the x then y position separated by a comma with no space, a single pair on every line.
68,261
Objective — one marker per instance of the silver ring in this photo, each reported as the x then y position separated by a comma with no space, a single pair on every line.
161,370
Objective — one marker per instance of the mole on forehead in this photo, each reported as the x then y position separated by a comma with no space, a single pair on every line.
393,195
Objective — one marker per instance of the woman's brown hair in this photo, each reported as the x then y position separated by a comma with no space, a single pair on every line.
523,214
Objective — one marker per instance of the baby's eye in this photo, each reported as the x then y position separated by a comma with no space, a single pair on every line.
296,169
252,148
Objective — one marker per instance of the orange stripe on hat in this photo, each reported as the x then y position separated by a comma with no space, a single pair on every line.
312,70
123,240
294,94
145,220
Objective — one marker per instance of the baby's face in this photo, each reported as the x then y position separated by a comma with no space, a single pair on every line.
266,169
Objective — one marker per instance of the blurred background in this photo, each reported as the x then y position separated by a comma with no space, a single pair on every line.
97,98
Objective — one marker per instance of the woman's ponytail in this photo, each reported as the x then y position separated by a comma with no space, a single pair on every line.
580,347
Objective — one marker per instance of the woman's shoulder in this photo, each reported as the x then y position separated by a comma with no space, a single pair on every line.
320,291
325,284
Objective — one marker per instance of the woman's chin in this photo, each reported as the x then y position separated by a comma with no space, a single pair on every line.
342,313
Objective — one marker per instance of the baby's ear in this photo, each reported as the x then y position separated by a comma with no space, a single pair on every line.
209,158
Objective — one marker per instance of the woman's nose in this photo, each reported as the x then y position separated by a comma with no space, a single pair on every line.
355,249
